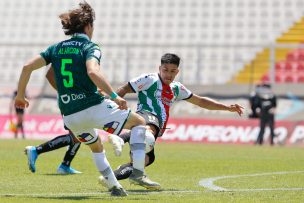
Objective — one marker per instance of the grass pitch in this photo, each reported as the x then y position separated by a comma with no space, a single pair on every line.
178,167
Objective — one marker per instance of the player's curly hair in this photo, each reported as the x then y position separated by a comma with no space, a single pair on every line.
75,20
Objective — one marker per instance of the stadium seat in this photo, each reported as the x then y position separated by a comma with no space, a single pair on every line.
280,66
301,79
189,27
300,66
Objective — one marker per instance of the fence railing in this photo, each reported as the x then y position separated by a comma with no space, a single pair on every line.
201,64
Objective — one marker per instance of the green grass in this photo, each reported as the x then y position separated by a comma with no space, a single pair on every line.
178,167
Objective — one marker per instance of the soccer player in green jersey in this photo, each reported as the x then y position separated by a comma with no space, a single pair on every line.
76,65
156,93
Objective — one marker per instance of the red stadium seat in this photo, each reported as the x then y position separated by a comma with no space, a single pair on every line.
301,79
301,57
265,78
278,78
293,56
291,65
300,66
280,65
289,79
288,66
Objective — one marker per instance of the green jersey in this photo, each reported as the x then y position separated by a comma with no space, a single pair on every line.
75,89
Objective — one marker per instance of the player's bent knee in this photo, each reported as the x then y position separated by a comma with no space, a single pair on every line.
138,134
137,139
150,141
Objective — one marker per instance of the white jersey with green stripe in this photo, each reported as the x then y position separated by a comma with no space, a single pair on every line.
157,97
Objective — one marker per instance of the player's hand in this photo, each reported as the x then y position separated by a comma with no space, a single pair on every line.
122,104
236,108
21,102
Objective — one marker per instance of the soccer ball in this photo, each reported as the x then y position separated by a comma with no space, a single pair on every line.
150,142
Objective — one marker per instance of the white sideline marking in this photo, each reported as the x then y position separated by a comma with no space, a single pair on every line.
209,182
95,193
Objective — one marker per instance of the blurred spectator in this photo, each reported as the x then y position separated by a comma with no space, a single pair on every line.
266,104
253,102
20,118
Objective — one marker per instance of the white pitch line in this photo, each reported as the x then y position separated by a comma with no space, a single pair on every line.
209,182
95,193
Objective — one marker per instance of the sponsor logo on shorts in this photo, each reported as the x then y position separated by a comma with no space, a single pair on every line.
109,106
111,127
85,137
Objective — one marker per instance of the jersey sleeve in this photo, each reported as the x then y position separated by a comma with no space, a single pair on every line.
47,54
143,82
182,92
93,51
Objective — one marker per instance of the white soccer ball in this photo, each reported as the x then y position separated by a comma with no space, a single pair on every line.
150,142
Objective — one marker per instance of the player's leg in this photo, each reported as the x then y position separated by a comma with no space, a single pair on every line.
113,120
153,127
262,130
32,152
125,170
271,126
65,166
138,154
104,167
97,116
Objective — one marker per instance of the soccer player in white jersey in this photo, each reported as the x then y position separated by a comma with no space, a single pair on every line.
156,93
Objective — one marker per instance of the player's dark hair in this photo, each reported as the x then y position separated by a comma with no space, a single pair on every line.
74,21
169,58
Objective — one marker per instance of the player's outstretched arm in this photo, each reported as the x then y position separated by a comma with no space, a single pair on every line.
210,104
123,90
33,64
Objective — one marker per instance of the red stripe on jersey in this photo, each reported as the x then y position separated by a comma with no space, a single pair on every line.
167,96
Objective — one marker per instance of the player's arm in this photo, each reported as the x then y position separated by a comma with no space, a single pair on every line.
210,104
98,78
50,76
33,64
125,89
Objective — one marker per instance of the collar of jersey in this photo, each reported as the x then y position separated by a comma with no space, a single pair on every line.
81,35
164,84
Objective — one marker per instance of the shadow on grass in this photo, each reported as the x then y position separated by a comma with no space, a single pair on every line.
102,196
134,194
57,174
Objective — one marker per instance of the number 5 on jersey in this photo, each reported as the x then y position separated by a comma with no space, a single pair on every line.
69,81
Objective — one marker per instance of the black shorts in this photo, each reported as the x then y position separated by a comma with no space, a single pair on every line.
151,120
19,111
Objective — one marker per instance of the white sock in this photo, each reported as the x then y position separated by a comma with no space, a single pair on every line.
138,146
138,157
105,169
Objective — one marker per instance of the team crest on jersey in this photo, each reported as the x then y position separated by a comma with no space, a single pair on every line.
111,127
183,87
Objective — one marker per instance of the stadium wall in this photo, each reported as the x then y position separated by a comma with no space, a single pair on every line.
194,130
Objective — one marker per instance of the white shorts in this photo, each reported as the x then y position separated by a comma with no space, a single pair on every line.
105,116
